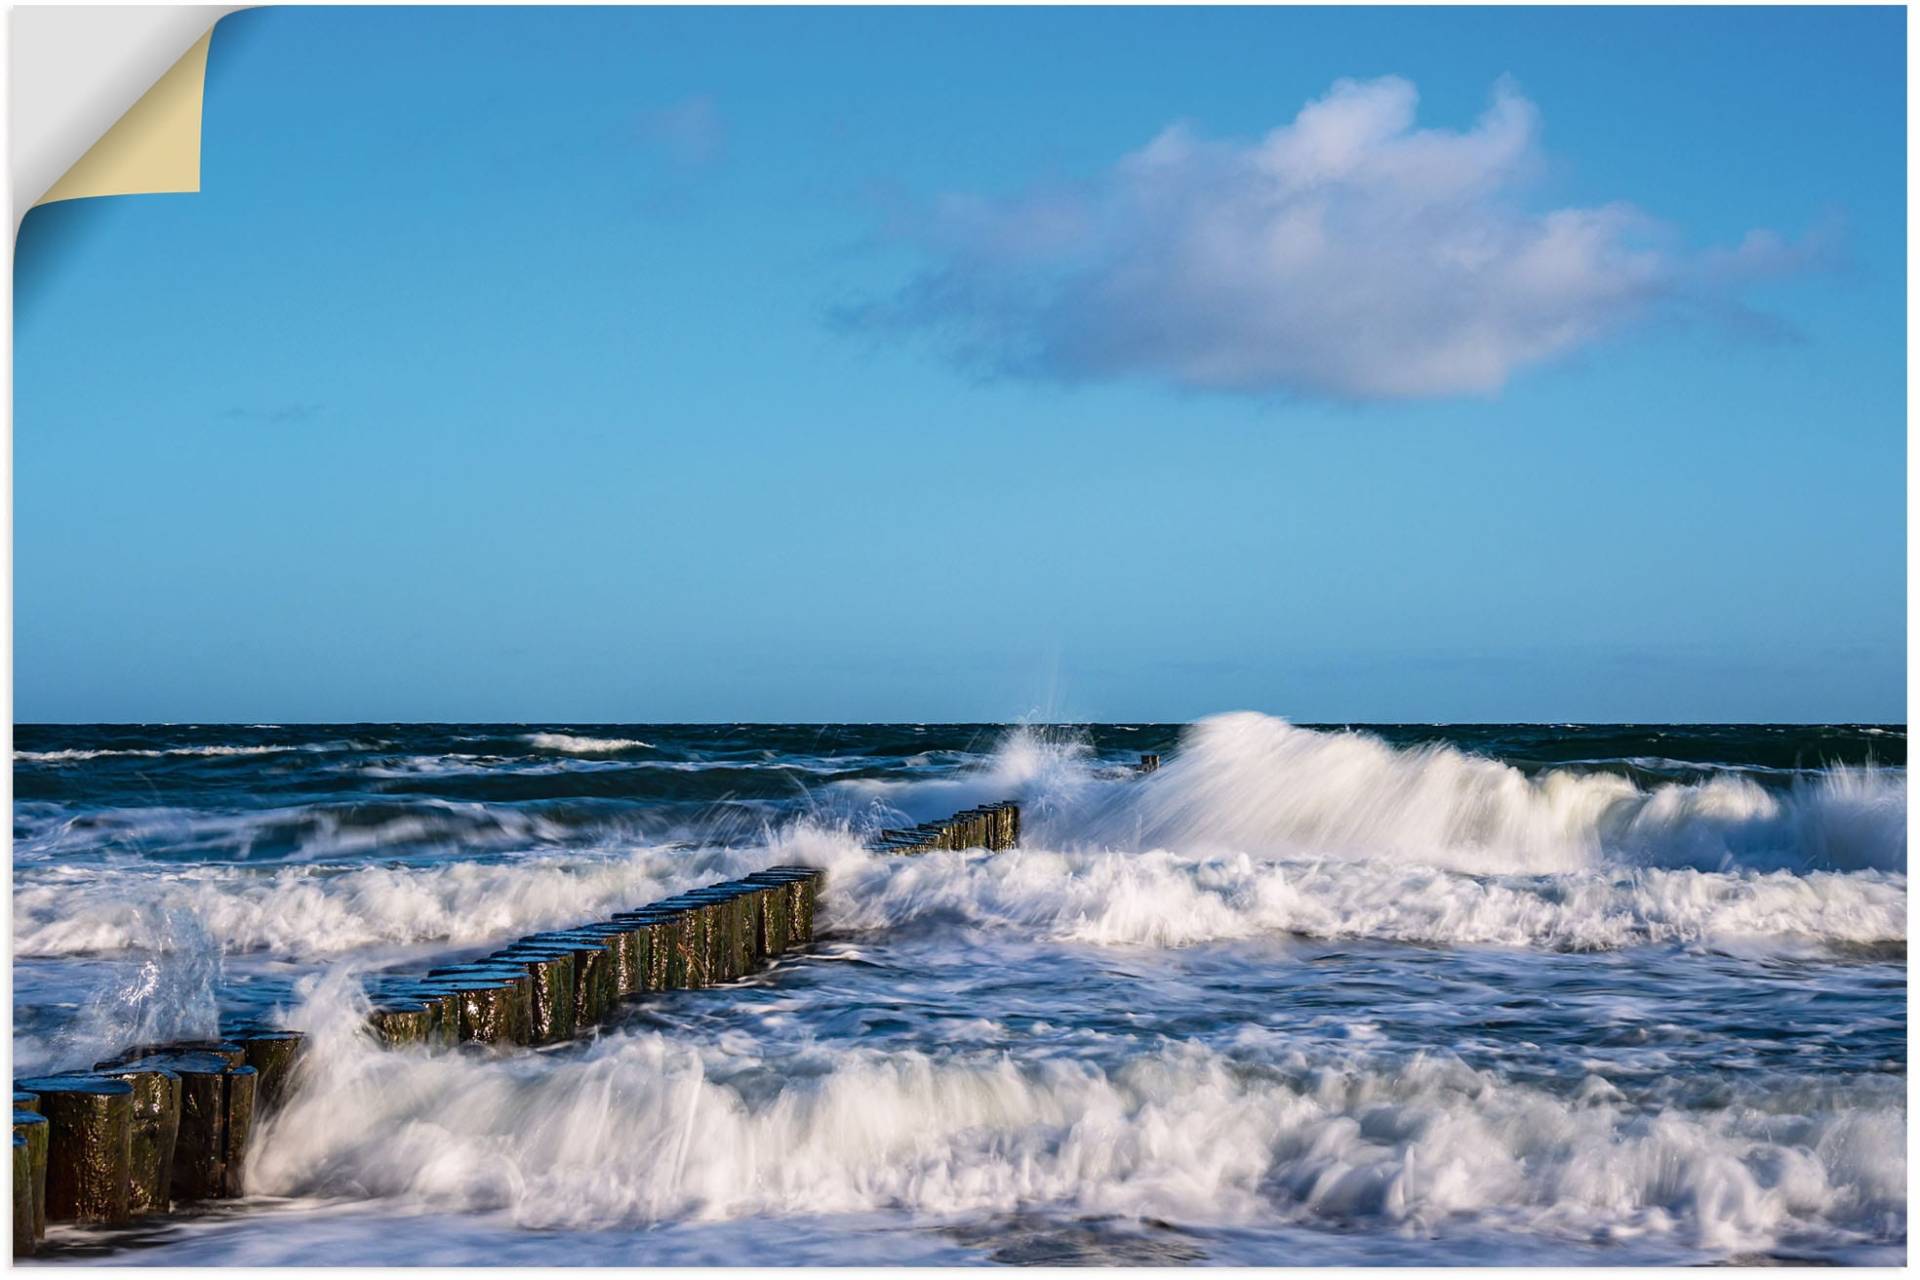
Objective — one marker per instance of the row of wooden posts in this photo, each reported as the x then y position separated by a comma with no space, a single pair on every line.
991,826
157,1126
552,986
168,1125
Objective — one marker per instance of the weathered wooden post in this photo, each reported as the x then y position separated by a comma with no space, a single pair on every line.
651,944
243,1084
403,1024
693,940
216,1122
496,1008
156,1131
89,1143
622,944
23,1238
802,885
753,898
1149,763
774,923
728,925
442,1028
30,1127
551,968
593,981
273,1054
667,945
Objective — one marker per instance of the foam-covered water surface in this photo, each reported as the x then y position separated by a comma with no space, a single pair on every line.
1412,994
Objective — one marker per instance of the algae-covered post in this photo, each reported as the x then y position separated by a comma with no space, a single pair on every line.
401,1024
89,1143
992,827
243,1084
273,1054
156,1131
216,1121
551,967
23,1239
30,1130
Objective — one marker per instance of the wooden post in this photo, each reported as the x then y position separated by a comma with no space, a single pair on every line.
728,920
622,944
242,1094
693,941
442,1029
802,885
216,1120
653,944
593,988
23,1238
551,968
31,1128
156,1131
403,1024
494,1008
666,945
89,1143
273,1054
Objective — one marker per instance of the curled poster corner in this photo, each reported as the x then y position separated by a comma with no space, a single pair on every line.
105,101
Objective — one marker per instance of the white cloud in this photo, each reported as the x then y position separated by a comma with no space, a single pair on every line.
1348,254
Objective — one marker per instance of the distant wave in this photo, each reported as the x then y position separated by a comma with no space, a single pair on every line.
57,757
575,745
1255,784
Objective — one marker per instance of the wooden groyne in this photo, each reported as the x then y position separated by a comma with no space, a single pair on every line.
157,1127
168,1126
992,827
161,1127
556,985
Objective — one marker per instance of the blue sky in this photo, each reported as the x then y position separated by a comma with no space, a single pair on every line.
606,364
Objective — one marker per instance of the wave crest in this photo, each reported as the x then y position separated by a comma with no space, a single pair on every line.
639,1128
1250,783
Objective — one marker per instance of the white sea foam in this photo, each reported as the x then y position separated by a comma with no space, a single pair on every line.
305,911
1153,898
576,745
639,1128
1159,898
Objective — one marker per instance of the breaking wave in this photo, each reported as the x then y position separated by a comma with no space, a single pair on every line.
1255,784
575,745
640,1128
1156,898
152,753
305,912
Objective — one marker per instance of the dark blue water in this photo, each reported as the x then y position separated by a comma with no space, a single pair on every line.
1606,994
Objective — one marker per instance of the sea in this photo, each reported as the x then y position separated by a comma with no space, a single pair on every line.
1306,994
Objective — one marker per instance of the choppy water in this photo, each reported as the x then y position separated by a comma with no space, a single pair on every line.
1402,995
